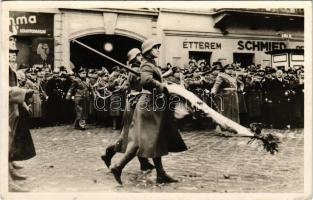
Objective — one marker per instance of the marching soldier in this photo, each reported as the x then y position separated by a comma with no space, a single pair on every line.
80,89
153,132
132,85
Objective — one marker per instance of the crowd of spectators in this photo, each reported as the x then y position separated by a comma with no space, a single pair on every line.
261,99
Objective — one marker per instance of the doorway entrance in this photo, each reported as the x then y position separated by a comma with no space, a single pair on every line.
115,46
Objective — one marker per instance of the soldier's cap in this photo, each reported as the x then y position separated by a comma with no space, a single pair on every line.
131,55
192,61
201,62
229,67
82,70
115,68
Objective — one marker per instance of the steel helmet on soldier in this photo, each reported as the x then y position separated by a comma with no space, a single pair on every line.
148,45
132,54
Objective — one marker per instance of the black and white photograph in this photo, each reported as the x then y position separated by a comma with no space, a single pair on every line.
156,100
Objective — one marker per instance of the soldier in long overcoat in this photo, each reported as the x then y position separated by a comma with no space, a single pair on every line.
81,89
153,132
17,96
225,92
134,87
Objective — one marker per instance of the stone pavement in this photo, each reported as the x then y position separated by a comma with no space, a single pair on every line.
68,160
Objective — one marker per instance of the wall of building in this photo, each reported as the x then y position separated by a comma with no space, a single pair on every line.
182,33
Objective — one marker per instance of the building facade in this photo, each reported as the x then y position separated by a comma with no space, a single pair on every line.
226,35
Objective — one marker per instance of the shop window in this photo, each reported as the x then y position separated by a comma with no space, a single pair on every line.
280,58
295,57
245,59
200,55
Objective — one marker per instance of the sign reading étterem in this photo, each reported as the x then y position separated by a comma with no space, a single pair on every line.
201,45
31,23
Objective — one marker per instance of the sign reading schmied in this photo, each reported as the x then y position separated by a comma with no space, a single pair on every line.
260,45
31,23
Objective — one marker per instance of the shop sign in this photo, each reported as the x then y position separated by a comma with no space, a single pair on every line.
31,23
201,45
260,45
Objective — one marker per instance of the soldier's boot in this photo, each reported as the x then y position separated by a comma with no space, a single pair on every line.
17,166
14,175
116,169
145,164
162,176
82,124
109,153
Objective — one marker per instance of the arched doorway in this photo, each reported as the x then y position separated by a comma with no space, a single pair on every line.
115,46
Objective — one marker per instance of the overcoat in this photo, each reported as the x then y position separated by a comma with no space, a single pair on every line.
254,99
133,85
16,97
153,131
23,146
226,97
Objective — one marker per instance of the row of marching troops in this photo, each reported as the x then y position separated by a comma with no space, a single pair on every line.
272,96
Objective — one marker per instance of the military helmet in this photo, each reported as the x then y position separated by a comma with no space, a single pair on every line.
148,45
132,54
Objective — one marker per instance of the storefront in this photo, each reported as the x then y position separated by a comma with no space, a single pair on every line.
213,35
34,32
225,49
225,35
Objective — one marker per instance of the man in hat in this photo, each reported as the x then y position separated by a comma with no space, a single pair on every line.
55,93
17,96
225,92
81,90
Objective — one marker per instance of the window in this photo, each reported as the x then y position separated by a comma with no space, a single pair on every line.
245,59
280,58
200,55
295,57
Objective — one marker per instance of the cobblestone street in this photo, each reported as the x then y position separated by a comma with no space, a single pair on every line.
69,161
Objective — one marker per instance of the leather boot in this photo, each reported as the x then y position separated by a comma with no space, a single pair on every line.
16,166
162,176
145,164
107,157
117,168
16,176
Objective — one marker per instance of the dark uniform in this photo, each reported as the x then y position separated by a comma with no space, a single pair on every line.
81,90
277,93
55,93
226,98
